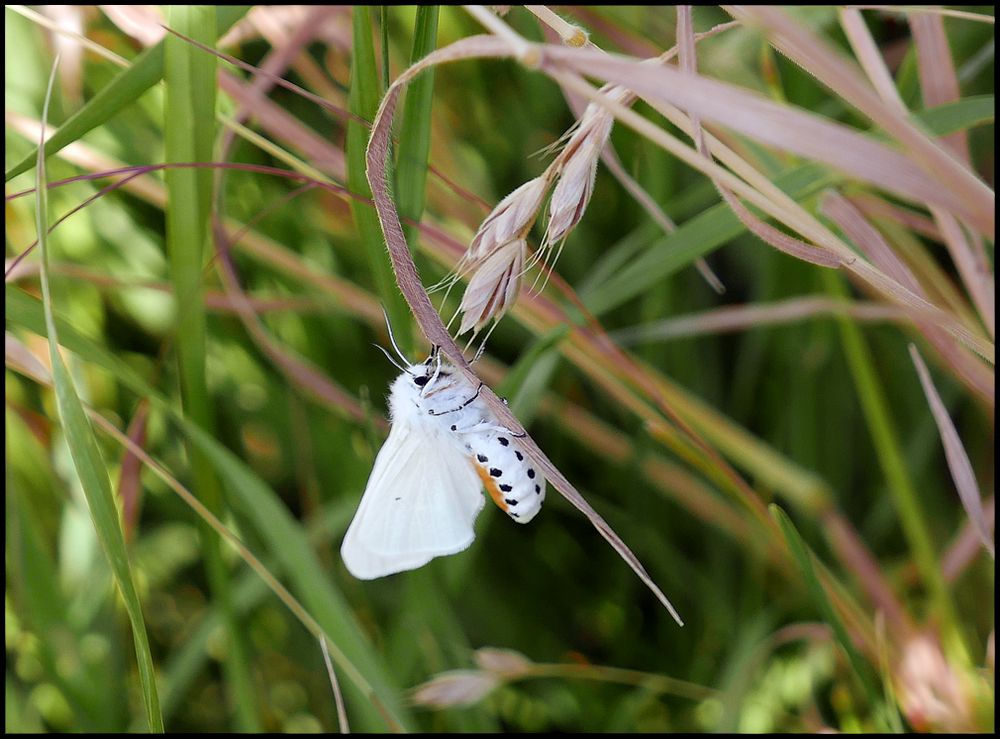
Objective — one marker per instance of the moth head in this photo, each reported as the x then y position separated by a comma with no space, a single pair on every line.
429,372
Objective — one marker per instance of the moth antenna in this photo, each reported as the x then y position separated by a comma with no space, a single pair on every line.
392,340
391,359
450,284
479,353
453,317
482,345
469,342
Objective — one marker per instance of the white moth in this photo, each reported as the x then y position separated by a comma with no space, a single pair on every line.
425,489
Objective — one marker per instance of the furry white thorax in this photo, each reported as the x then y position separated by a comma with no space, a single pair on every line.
436,396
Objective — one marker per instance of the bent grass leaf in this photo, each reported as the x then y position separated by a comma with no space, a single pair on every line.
430,322
804,559
87,458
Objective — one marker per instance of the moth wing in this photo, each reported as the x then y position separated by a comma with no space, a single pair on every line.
420,502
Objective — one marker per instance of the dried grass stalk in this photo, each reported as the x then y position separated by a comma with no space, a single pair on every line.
958,459
944,181
610,158
887,263
965,548
939,85
804,132
778,239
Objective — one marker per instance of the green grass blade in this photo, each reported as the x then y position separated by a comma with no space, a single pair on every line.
912,518
88,461
415,126
363,100
131,83
383,28
617,255
22,309
190,126
960,115
696,238
804,559
189,123
144,72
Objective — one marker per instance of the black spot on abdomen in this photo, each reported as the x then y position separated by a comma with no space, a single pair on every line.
494,472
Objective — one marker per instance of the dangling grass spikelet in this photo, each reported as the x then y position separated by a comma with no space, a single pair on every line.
494,287
510,220
577,165
496,254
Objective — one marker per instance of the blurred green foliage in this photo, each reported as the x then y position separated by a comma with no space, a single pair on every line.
294,468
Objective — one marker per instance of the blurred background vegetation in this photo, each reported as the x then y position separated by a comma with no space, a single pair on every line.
540,627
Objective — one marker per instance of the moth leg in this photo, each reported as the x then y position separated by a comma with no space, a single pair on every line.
432,412
490,427
437,371
487,426
478,427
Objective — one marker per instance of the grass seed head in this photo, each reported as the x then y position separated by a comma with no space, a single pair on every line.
455,688
510,220
577,164
494,286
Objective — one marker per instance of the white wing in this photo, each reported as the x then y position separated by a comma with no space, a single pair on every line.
421,501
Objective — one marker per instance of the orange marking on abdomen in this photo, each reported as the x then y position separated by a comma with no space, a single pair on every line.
491,486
